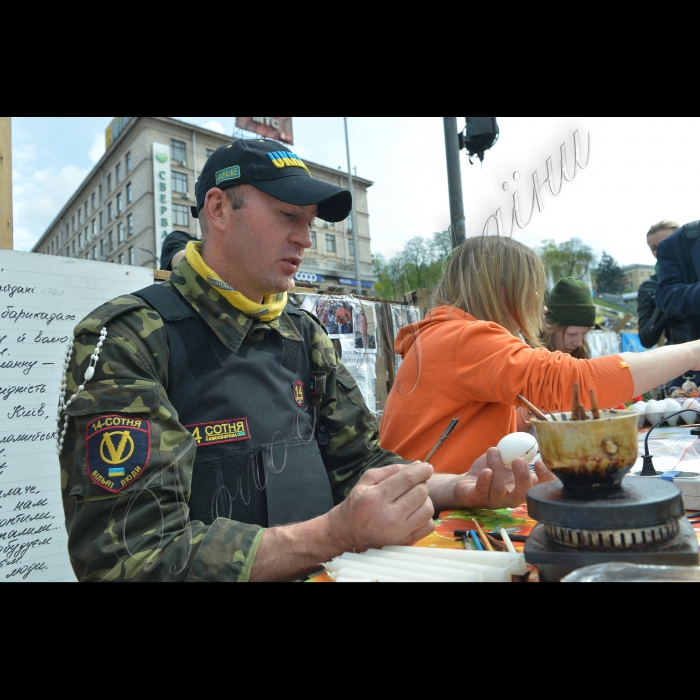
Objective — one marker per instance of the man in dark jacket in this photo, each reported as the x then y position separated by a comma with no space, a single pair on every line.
653,323
678,292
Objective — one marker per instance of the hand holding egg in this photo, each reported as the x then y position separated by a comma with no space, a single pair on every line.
517,446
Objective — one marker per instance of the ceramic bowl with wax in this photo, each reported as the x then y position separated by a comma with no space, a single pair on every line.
591,454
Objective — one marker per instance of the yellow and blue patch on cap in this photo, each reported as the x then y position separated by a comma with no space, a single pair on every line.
285,159
232,173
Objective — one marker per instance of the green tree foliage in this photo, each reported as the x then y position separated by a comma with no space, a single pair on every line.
570,259
610,279
417,266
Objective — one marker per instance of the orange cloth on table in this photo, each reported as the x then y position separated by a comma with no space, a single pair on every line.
457,367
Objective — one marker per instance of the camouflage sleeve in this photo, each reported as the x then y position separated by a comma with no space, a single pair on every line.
353,445
126,464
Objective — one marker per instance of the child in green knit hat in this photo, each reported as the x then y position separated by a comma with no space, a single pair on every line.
570,316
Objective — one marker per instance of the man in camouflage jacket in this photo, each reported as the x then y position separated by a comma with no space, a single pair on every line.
127,459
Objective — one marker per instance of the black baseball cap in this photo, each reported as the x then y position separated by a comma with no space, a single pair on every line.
270,167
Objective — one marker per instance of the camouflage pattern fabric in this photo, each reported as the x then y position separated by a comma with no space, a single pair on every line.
143,532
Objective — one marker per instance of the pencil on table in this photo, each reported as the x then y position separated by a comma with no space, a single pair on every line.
482,537
477,542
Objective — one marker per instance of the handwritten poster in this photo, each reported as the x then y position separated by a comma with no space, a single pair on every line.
41,300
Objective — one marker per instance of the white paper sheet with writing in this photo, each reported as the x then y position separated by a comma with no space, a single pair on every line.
41,300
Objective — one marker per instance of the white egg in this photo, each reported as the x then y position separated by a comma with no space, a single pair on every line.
641,408
517,445
671,406
690,416
655,412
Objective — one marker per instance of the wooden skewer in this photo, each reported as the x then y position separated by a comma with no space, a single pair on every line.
498,546
594,406
484,540
535,410
582,415
576,401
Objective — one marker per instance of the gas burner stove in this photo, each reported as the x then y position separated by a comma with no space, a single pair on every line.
591,516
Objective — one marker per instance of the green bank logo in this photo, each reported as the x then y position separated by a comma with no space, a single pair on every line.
162,157
228,174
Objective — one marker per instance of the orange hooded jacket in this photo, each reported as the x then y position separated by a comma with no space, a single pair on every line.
457,367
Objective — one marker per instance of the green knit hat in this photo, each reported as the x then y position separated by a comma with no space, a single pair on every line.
570,304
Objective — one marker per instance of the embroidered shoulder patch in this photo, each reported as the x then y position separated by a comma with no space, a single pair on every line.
299,393
218,432
117,450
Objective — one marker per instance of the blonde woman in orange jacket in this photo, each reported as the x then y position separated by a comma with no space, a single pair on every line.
468,359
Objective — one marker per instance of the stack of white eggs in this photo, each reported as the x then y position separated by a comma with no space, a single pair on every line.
654,412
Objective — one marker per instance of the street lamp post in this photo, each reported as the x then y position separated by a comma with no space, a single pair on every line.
458,229
358,281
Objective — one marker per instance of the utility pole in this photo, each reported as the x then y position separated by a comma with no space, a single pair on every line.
458,230
358,281
6,241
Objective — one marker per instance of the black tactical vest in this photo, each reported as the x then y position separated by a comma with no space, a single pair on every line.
251,415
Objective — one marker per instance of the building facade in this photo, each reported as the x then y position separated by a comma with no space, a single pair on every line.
143,187
636,274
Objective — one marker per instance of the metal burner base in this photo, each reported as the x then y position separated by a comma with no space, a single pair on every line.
554,561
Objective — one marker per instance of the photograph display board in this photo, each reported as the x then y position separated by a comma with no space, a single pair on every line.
353,322
42,298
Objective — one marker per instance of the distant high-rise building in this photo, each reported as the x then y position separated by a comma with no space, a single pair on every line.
143,188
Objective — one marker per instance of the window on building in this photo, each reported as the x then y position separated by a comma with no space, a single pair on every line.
102,223
120,204
121,230
94,252
74,247
132,257
109,183
80,216
94,202
110,242
129,194
86,211
351,246
109,212
130,225
118,171
128,162
330,243
100,191
72,223
121,259
94,228
67,252
80,241
102,249
179,181
313,238
178,151
181,215
87,256
209,153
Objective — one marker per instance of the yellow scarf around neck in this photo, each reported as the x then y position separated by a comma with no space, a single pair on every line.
271,308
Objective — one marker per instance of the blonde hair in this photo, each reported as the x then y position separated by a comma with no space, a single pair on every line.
663,226
549,335
496,279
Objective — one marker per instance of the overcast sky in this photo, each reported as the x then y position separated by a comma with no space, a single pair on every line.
641,170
